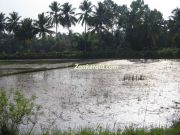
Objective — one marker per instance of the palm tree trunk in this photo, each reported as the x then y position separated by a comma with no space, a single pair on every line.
43,35
85,43
85,27
56,29
56,23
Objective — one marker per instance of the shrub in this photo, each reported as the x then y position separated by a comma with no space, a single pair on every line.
15,110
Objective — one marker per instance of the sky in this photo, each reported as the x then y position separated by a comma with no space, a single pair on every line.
31,8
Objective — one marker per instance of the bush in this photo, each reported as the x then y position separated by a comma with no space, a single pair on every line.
15,110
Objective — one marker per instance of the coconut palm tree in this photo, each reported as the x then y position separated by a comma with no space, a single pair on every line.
86,8
175,19
176,14
99,20
55,14
43,25
12,21
2,22
68,13
26,30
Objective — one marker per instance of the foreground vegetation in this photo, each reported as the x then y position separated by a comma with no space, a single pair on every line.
110,30
16,110
130,131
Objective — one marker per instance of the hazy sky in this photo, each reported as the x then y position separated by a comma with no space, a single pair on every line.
30,8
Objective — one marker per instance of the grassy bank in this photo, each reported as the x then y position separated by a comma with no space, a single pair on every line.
165,53
130,131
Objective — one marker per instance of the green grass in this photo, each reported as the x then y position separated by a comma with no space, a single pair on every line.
128,131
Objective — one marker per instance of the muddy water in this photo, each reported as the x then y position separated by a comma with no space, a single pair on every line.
139,93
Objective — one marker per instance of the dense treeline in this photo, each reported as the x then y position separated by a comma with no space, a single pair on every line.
107,26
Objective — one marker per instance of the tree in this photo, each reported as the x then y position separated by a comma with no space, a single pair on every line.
43,25
174,27
121,24
176,14
112,12
134,27
26,30
123,15
68,13
86,8
99,19
98,23
55,14
13,21
153,27
2,22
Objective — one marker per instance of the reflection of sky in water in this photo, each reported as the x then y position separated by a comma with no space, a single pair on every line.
88,97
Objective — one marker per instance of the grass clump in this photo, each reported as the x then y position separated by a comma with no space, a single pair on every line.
128,131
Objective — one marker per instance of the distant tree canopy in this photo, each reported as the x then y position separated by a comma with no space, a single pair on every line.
106,26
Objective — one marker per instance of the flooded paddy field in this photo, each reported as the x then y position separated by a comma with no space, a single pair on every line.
11,67
140,93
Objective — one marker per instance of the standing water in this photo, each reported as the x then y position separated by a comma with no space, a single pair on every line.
139,93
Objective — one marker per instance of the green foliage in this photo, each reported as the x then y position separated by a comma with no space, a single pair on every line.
2,23
43,25
26,31
15,110
68,15
174,27
168,53
55,16
109,27
12,22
